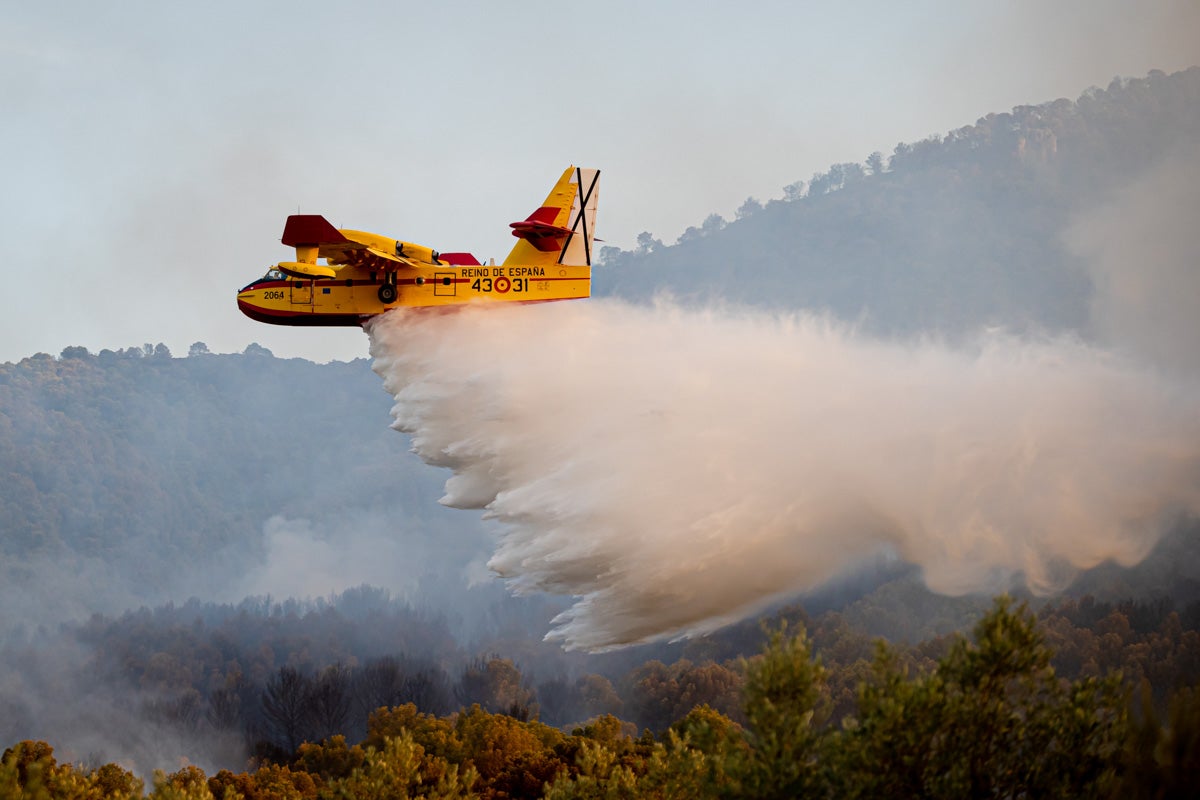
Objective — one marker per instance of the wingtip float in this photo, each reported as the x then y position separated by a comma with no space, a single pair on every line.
365,274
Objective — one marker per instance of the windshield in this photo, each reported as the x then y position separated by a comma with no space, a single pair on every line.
272,275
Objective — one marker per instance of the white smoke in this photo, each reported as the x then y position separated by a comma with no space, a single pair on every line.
674,470
1143,256
311,559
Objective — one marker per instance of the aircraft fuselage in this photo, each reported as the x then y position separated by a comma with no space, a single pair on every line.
352,297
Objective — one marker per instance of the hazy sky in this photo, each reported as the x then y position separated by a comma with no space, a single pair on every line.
152,150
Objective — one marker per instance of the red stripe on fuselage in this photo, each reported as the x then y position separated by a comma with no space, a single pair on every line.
278,317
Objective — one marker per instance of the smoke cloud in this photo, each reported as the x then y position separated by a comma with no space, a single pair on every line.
1142,252
674,470
412,559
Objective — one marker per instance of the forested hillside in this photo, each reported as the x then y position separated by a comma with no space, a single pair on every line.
220,557
134,477
1030,706
951,233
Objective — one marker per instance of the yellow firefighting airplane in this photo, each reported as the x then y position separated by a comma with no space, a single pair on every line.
365,274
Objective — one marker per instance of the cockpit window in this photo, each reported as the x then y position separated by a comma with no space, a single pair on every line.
272,275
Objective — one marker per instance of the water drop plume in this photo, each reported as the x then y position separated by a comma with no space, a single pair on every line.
676,469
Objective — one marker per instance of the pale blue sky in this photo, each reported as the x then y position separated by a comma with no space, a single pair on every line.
152,150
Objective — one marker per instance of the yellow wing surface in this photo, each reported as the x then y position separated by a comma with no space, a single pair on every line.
314,237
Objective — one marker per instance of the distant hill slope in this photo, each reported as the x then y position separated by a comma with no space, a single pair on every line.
957,232
151,476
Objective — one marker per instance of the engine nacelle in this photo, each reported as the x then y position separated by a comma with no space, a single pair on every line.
304,270
416,252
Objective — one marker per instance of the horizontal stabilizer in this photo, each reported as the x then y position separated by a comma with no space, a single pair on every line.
539,229
299,269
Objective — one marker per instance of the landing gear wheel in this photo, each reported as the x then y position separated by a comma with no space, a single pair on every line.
387,293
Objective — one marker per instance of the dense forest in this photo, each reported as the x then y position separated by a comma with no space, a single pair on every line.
122,466
1004,713
179,537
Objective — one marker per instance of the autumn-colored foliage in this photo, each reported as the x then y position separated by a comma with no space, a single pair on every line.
991,718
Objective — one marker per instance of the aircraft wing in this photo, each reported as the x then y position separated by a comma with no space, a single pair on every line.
314,231
311,230
374,255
